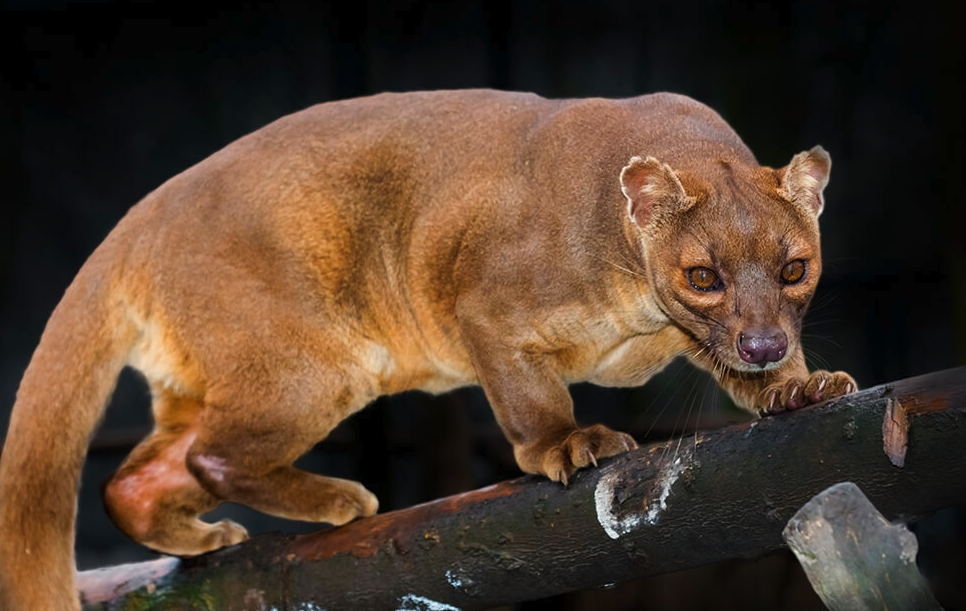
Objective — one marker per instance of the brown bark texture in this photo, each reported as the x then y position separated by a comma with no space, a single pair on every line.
664,507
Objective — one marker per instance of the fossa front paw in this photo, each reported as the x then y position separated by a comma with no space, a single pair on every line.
582,448
798,392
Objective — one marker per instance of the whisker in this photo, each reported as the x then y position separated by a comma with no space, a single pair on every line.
627,271
708,389
633,263
815,322
705,317
675,384
814,358
689,400
824,338
687,417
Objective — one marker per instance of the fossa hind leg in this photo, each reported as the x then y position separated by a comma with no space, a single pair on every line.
273,383
179,473
155,500
248,459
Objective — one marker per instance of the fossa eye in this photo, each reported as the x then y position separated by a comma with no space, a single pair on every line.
704,279
794,272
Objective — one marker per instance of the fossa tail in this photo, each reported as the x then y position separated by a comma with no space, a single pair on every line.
61,399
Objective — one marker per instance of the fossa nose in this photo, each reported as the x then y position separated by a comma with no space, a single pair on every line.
762,346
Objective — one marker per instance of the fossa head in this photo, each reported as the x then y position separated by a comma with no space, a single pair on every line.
732,252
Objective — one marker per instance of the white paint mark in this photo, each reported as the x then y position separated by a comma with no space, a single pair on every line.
616,525
613,525
308,606
667,480
411,602
454,580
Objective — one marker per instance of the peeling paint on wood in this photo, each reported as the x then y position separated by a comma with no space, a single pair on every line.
669,475
411,602
454,580
613,524
617,516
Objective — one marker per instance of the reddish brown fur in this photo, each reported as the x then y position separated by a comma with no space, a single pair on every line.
426,240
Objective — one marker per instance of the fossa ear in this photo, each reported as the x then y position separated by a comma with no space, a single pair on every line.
651,186
803,180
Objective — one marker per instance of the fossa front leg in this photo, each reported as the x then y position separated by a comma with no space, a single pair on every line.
789,387
534,408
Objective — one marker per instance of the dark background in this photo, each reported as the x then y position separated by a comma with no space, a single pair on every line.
102,103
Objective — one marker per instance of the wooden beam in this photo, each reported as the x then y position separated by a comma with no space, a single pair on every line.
664,507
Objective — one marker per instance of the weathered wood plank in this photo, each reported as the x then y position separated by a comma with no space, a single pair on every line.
668,506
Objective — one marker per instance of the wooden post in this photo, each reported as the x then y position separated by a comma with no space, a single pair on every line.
853,557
